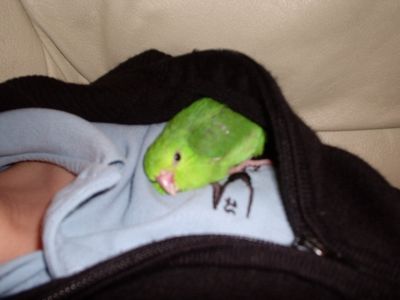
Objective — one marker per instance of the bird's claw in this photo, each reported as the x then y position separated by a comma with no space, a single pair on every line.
250,163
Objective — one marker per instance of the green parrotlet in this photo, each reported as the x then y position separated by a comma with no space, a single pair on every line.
203,144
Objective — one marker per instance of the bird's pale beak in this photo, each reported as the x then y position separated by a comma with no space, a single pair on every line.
167,182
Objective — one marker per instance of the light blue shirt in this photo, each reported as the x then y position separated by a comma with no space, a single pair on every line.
111,207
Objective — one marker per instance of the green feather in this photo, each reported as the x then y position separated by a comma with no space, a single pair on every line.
219,130
210,139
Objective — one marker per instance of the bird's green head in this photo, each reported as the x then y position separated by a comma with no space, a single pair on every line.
166,163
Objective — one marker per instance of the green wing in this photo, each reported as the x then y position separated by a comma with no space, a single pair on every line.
216,131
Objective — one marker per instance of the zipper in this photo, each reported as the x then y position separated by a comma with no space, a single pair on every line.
305,237
143,257
137,259
108,269
310,244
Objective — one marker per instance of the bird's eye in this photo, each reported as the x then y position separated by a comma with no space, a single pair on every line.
177,157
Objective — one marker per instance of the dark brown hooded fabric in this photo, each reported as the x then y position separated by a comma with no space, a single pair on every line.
345,215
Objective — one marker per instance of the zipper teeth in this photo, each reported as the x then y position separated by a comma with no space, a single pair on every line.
109,268
86,280
306,239
298,221
168,249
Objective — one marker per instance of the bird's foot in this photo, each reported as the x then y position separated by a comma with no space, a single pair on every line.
219,190
250,163
217,193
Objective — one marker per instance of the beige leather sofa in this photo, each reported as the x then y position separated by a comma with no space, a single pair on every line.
338,62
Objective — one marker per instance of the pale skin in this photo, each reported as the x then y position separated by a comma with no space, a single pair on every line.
26,190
